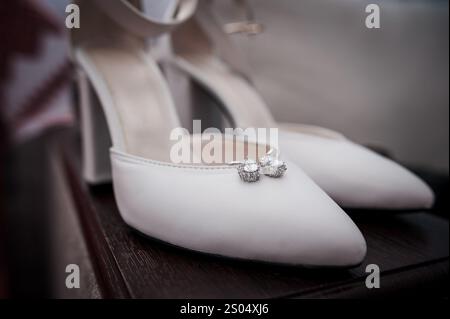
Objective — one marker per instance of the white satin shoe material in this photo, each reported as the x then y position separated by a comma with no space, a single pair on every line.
354,176
199,207
209,209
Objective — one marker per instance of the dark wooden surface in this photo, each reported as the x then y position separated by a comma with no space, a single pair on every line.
410,249
4,147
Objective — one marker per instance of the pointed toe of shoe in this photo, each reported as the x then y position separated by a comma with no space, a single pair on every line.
403,190
213,211
306,228
365,179
379,183
338,244
356,177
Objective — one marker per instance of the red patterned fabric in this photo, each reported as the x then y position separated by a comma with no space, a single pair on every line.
24,26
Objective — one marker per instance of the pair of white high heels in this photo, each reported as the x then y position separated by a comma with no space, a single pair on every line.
294,220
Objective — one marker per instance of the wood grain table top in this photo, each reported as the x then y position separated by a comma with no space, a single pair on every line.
411,250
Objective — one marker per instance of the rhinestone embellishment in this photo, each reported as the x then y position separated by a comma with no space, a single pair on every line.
269,165
272,167
249,171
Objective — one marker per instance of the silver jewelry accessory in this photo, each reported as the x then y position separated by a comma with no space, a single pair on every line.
249,170
271,166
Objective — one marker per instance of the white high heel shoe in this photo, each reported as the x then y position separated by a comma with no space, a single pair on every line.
205,208
352,175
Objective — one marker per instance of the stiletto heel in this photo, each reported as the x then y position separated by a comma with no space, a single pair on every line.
95,139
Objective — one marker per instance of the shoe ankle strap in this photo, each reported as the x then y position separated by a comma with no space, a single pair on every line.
133,20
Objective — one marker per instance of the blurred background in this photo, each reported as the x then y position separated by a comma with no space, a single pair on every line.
315,63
